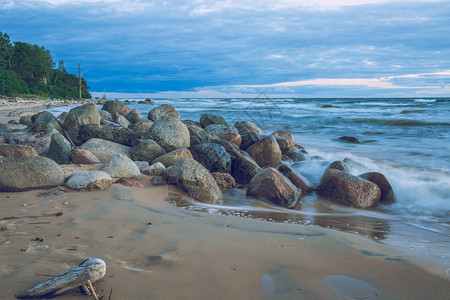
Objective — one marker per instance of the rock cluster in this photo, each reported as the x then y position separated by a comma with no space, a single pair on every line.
202,158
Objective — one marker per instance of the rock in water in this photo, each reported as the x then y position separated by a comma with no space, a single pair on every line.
59,151
169,133
116,107
120,165
271,185
348,190
296,155
164,110
283,143
266,152
169,159
288,136
213,157
208,119
297,179
134,116
44,121
248,140
146,150
245,169
89,181
194,179
79,116
349,139
92,269
247,127
103,149
387,193
28,173
219,129
224,180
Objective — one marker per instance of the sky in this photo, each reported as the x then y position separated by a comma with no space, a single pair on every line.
242,48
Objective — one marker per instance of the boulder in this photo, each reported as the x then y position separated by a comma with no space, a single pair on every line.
8,150
297,179
197,135
338,165
219,129
224,180
248,140
213,157
115,106
245,127
121,120
118,135
44,121
141,127
129,182
80,156
146,101
120,165
146,150
169,133
245,169
134,116
288,136
349,139
193,178
164,110
232,137
282,143
58,150
103,149
266,152
142,165
156,169
105,116
169,159
89,181
271,185
387,193
208,119
79,116
62,116
296,155
28,173
40,141
25,120
348,190
192,123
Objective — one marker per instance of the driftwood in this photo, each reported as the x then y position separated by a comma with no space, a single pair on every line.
57,214
88,272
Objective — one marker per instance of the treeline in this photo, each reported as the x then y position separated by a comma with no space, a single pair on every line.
29,69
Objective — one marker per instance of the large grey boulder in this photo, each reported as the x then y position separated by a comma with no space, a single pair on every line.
119,135
119,166
219,129
349,190
27,173
213,157
141,127
387,193
266,152
79,116
208,119
169,159
44,121
194,179
271,185
197,135
40,141
245,127
164,110
116,107
134,116
89,181
103,149
169,133
146,150
59,151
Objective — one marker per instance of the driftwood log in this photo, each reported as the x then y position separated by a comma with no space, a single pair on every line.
89,271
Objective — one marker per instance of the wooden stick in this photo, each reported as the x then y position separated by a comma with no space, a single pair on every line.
92,289
86,290
57,214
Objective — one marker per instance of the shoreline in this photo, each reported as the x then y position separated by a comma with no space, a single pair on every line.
154,249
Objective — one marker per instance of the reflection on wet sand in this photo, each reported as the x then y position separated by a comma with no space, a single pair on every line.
315,212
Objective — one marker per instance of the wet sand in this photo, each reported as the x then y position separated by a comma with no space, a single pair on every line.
155,250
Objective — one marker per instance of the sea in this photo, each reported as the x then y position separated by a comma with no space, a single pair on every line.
406,139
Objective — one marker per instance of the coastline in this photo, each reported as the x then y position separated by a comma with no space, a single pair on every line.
153,249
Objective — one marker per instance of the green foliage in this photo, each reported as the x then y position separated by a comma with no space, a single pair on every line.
26,68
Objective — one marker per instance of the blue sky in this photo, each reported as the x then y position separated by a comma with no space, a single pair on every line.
205,48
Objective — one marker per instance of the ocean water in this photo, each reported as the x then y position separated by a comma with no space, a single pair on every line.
407,139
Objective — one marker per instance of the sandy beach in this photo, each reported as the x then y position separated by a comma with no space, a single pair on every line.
154,250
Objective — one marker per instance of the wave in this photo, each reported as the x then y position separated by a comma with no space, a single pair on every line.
399,122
